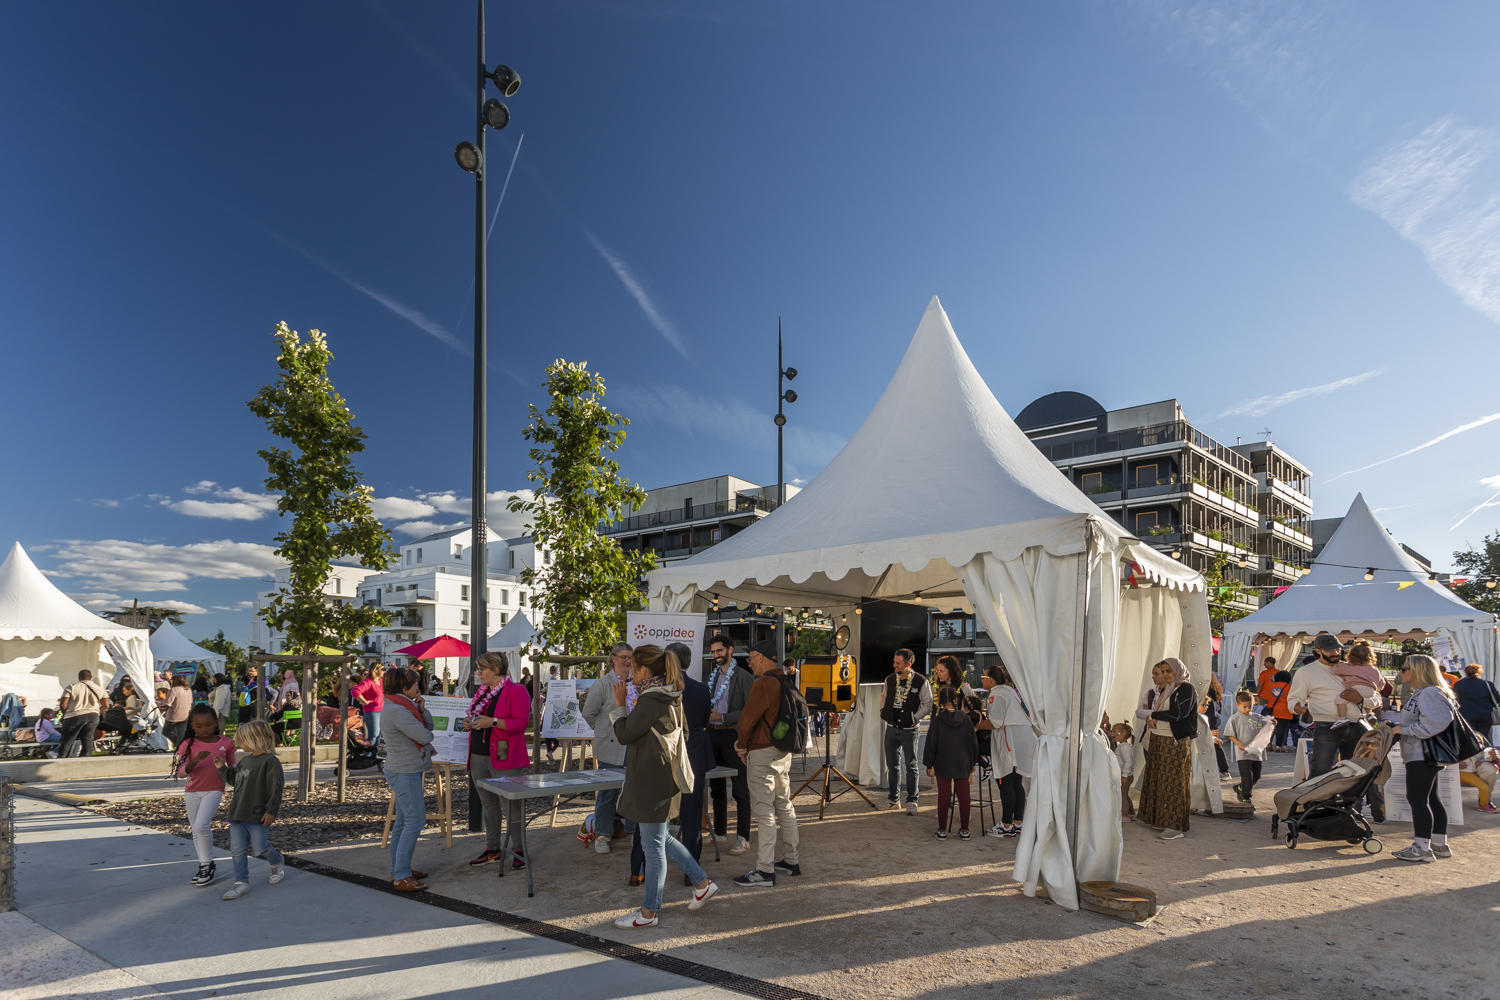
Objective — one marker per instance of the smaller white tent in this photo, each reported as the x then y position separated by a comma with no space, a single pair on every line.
46,637
170,646
1335,597
515,634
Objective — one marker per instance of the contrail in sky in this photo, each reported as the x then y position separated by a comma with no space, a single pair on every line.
1410,451
1262,405
633,286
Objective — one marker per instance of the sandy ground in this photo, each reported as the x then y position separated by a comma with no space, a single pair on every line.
885,910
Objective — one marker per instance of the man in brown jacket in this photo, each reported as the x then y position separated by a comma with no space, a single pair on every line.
769,773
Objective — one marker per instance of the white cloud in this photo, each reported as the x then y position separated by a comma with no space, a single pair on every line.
1490,482
1261,405
416,529
120,565
1441,190
638,292
95,600
233,504
1427,444
400,508
236,606
183,606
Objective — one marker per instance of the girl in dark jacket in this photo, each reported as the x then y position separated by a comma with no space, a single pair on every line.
1171,715
651,797
950,755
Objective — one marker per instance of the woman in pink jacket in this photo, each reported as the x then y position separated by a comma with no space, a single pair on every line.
497,719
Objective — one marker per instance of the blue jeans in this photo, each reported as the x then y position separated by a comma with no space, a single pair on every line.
245,838
659,847
372,727
904,741
604,804
411,816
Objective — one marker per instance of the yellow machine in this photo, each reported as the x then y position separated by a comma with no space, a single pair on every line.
829,679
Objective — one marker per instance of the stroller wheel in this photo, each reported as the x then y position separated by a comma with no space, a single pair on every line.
1373,845
1291,841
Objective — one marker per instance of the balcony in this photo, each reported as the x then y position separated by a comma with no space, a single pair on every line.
1227,503
402,623
1284,490
682,515
1292,535
1154,436
397,598
1281,570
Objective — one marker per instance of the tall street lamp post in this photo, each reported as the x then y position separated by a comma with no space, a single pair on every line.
491,114
790,397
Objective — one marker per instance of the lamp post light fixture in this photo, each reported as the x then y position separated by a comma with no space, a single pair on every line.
787,396
491,113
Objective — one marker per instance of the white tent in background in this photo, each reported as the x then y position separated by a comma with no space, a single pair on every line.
170,646
513,635
940,499
46,638
1336,597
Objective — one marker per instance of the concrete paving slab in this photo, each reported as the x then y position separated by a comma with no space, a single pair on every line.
129,787
123,894
38,964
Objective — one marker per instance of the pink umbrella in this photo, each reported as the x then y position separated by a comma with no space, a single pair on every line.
442,646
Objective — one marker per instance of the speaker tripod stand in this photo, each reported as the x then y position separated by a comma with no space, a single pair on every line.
828,770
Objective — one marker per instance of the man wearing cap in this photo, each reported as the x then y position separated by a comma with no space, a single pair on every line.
770,773
1317,690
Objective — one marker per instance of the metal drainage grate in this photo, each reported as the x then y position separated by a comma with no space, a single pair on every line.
626,952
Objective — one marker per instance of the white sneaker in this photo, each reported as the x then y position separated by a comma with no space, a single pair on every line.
911,807
278,872
998,830
1413,853
741,845
601,845
238,890
701,896
1170,835
635,920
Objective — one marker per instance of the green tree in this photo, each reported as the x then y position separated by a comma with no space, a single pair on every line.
1480,562
1222,589
585,582
235,658
322,491
810,642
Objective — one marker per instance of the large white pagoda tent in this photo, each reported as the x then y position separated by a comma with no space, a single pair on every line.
170,646
940,499
1400,600
46,637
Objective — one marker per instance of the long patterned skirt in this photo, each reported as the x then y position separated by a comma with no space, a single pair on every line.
1166,790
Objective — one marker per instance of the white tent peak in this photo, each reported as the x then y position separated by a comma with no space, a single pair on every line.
31,606
1361,542
168,645
937,472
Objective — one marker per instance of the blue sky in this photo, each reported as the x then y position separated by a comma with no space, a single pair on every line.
1285,215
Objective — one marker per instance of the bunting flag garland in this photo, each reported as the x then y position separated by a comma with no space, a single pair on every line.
1280,591
1405,584
1132,571
1344,586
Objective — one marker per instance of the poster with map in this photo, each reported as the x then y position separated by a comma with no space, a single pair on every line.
562,715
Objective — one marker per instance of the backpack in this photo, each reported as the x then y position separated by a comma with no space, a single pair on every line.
793,728
674,744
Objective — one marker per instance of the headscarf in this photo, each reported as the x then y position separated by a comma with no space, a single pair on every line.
1180,675
288,678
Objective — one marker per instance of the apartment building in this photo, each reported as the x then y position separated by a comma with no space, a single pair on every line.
342,587
1284,537
428,591
677,521
1177,488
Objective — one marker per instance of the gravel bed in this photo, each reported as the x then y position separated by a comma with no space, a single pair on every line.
319,821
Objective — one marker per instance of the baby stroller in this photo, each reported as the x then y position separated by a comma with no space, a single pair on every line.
1328,807
137,735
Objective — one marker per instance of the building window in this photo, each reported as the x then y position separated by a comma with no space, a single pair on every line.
1145,475
504,597
1091,481
419,557
520,598
463,592
463,617
387,588
1146,520
408,557
465,636
338,585
715,534
504,618
512,559
546,557
458,551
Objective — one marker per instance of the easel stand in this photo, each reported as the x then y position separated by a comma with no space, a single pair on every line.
828,770
444,775
585,752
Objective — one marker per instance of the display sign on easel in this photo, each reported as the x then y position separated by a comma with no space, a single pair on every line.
562,717
662,628
1449,791
450,740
